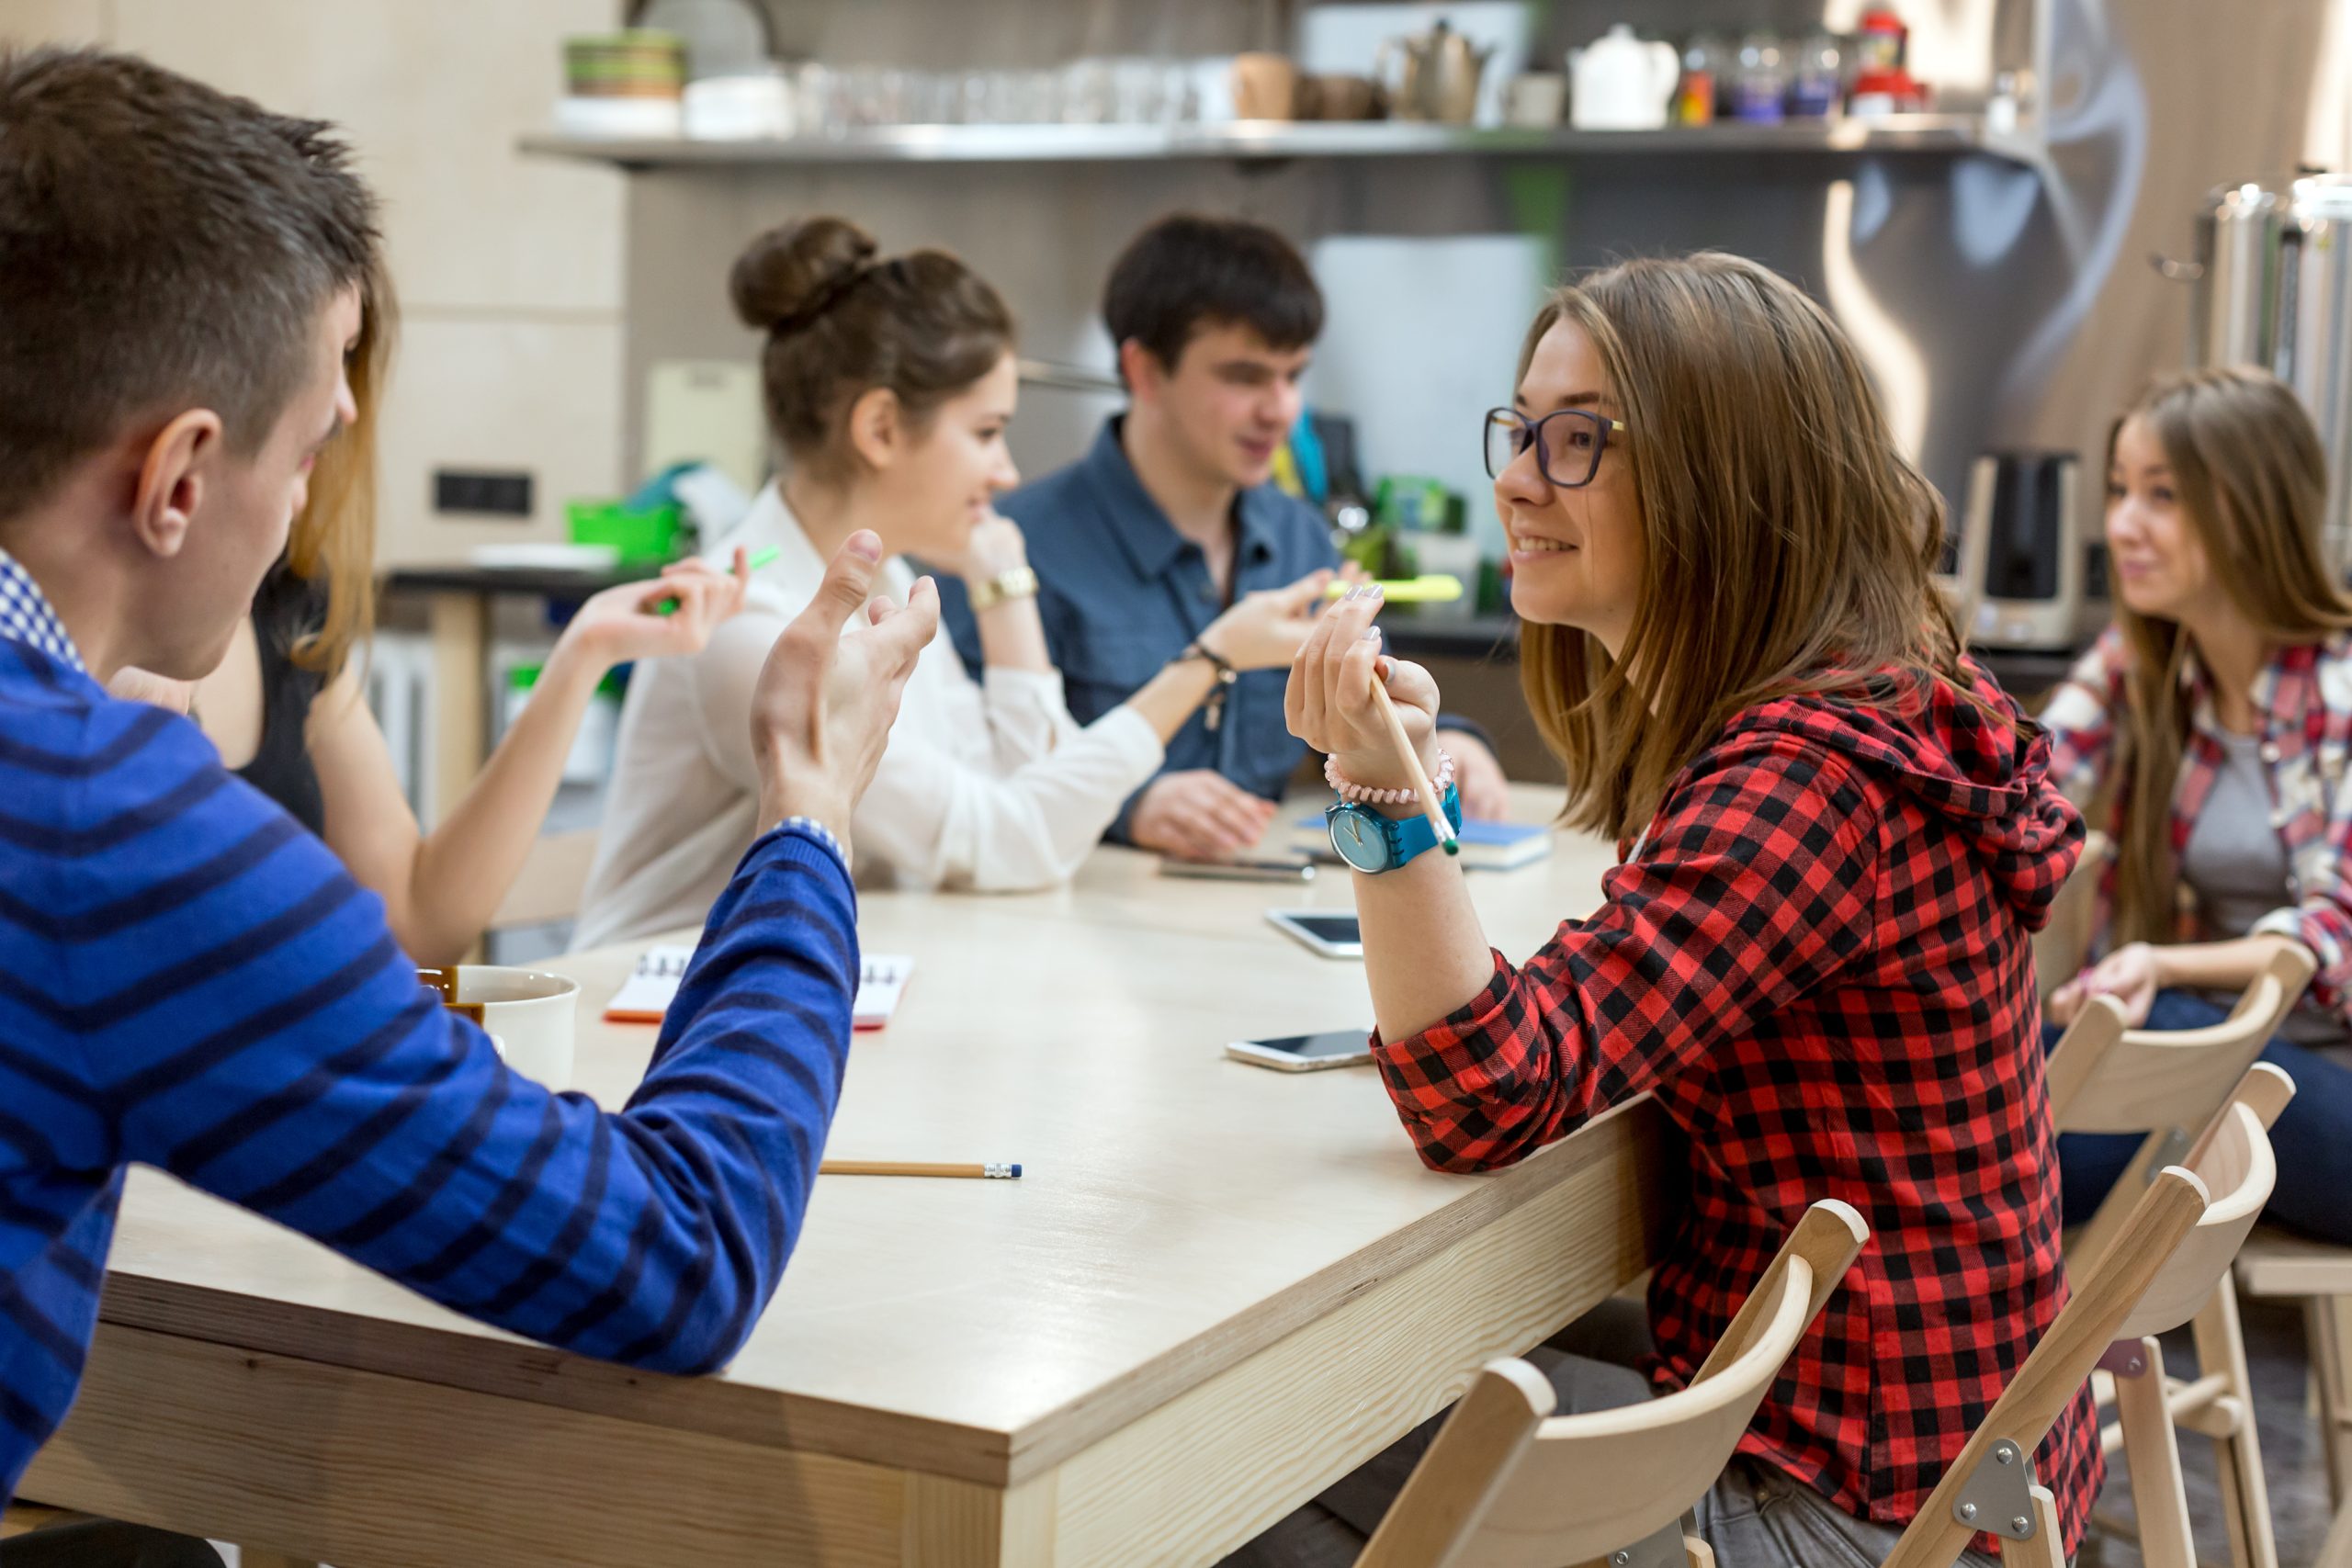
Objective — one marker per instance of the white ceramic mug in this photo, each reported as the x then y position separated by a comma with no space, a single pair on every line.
527,1014
1535,100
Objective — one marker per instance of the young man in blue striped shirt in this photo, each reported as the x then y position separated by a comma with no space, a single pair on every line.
187,980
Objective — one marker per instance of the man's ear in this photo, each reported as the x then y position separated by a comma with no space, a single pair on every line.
1140,369
172,478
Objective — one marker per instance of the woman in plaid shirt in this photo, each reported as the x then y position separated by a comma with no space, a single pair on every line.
1815,952
2224,689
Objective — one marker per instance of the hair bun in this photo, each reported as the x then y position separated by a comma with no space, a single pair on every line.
786,277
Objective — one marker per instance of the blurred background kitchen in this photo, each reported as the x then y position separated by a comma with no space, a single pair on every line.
2018,208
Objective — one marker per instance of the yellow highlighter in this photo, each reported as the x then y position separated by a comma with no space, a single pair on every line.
1430,587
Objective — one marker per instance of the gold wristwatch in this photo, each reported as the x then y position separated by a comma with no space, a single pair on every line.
1020,583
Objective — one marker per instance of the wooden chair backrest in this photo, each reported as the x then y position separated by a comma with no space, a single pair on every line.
2173,1247
2105,1078
2064,940
2056,1369
2149,1080
2233,1159
1504,1487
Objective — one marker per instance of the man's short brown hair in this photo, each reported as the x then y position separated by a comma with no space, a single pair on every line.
163,247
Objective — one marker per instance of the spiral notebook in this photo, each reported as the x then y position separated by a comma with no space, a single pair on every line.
646,995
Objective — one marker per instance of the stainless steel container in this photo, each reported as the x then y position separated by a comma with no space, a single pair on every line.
2274,288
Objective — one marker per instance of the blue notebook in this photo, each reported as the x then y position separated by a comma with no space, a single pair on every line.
1485,846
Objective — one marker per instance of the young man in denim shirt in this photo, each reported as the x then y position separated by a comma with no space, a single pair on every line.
1171,515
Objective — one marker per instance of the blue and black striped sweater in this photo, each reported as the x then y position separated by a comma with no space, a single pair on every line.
190,980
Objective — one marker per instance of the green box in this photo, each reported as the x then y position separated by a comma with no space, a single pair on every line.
640,534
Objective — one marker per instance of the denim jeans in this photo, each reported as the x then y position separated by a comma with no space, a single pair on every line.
2312,1138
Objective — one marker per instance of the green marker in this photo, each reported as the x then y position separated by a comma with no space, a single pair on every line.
670,607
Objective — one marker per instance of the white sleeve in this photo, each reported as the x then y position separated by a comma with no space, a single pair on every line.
726,672
941,823
1028,714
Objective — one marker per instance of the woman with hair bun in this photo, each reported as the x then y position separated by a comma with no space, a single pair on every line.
888,384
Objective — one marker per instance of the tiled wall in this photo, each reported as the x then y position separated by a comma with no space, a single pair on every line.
509,268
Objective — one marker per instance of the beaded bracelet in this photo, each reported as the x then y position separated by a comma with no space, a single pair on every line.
1362,796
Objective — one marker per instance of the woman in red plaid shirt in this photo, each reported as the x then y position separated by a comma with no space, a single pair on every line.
2224,691
1815,952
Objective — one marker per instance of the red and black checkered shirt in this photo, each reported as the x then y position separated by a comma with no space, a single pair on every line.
1817,961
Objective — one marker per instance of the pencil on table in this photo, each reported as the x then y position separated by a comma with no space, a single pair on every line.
915,1168
1411,759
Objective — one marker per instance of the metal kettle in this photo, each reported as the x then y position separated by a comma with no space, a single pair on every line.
1439,79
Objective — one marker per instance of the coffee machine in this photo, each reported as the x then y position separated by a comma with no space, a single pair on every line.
2025,568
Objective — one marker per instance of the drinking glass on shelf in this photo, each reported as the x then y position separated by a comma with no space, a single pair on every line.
1087,93
1035,97
1138,92
975,99
1759,92
1180,93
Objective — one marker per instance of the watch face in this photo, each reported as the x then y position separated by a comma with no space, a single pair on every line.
1359,841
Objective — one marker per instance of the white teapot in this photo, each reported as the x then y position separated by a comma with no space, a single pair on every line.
1622,83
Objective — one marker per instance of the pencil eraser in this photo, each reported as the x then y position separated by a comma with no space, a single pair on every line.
1454,846
1016,1173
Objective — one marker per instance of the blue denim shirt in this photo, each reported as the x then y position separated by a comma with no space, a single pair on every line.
1121,592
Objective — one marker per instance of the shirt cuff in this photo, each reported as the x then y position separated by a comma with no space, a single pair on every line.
809,830
1439,1056
1133,741
2286,923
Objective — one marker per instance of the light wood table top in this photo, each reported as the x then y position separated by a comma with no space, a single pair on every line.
1180,1212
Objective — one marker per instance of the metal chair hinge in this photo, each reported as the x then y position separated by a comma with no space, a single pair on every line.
1997,1496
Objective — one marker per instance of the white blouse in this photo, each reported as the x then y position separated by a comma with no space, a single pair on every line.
987,786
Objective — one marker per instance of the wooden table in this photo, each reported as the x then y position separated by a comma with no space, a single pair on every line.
1216,1288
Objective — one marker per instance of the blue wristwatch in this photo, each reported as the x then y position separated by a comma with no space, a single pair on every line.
1370,842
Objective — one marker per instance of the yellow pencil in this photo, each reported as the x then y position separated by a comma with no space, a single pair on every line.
1424,787
915,1168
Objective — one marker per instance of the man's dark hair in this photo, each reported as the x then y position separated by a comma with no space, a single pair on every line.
163,247
1188,271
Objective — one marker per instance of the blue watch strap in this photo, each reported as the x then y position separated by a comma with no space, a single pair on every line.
1350,825
1413,835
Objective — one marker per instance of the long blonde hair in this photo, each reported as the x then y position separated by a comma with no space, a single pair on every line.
1791,545
2252,480
333,539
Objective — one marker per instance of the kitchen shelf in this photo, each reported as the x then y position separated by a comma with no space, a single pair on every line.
1948,135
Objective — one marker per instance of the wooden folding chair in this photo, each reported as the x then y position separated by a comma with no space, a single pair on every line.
2064,940
2105,1078
2170,1254
2276,1265
1507,1484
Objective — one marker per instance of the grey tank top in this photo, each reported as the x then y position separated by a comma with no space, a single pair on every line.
2234,860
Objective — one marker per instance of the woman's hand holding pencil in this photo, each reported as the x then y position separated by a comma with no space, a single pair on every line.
1376,716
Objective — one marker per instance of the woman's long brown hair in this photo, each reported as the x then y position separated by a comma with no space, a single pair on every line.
333,541
2251,478
1790,546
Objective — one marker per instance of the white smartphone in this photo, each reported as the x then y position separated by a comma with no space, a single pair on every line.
1332,935
1305,1053
1243,868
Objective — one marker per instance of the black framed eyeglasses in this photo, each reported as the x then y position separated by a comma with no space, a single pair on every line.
1568,442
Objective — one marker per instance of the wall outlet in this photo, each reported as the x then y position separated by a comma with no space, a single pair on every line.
495,495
